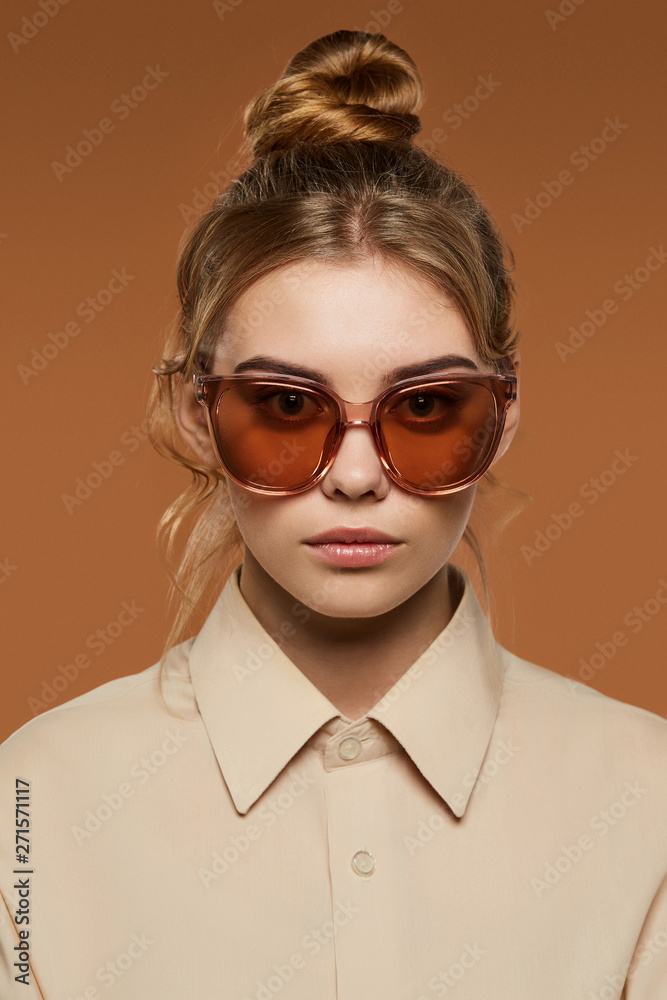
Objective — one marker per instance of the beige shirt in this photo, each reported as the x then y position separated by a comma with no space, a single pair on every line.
490,830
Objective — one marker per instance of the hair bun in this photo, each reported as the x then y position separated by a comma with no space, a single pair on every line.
346,85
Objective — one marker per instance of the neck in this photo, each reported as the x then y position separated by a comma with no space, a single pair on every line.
354,662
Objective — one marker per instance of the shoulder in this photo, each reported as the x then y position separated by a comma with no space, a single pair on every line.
582,722
102,717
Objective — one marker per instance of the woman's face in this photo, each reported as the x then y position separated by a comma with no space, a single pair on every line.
353,323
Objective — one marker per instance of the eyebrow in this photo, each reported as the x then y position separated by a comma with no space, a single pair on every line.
430,367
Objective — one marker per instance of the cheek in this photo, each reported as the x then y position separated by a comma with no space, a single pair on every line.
266,523
241,502
435,526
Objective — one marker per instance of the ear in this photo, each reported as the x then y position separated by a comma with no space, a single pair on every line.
512,419
191,420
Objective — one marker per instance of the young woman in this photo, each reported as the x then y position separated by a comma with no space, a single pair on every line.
342,786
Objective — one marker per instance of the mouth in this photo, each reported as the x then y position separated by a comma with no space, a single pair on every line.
342,535
353,547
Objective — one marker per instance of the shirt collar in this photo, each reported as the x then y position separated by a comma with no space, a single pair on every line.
259,709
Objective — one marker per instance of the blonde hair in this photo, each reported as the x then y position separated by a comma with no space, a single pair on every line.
334,176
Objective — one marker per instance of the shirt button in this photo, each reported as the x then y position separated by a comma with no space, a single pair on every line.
363,863
349,748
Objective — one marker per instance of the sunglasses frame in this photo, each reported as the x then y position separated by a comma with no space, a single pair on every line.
209,389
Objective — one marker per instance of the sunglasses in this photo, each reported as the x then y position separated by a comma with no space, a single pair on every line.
278,435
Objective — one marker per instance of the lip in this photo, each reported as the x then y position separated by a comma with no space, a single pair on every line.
342,535
353,547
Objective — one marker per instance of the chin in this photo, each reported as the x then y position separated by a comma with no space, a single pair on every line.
355,593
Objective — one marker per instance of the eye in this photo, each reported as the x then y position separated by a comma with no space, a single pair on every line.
287,405
421,405
432,403
290,403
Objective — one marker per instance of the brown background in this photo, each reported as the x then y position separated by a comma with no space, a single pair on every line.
66,575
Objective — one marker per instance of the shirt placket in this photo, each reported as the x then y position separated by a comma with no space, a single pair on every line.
355,758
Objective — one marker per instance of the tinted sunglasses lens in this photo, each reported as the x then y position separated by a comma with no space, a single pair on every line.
273,436
439,435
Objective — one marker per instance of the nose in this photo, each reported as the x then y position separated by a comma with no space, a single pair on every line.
357,468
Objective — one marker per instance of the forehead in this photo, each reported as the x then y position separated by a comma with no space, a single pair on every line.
343,320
